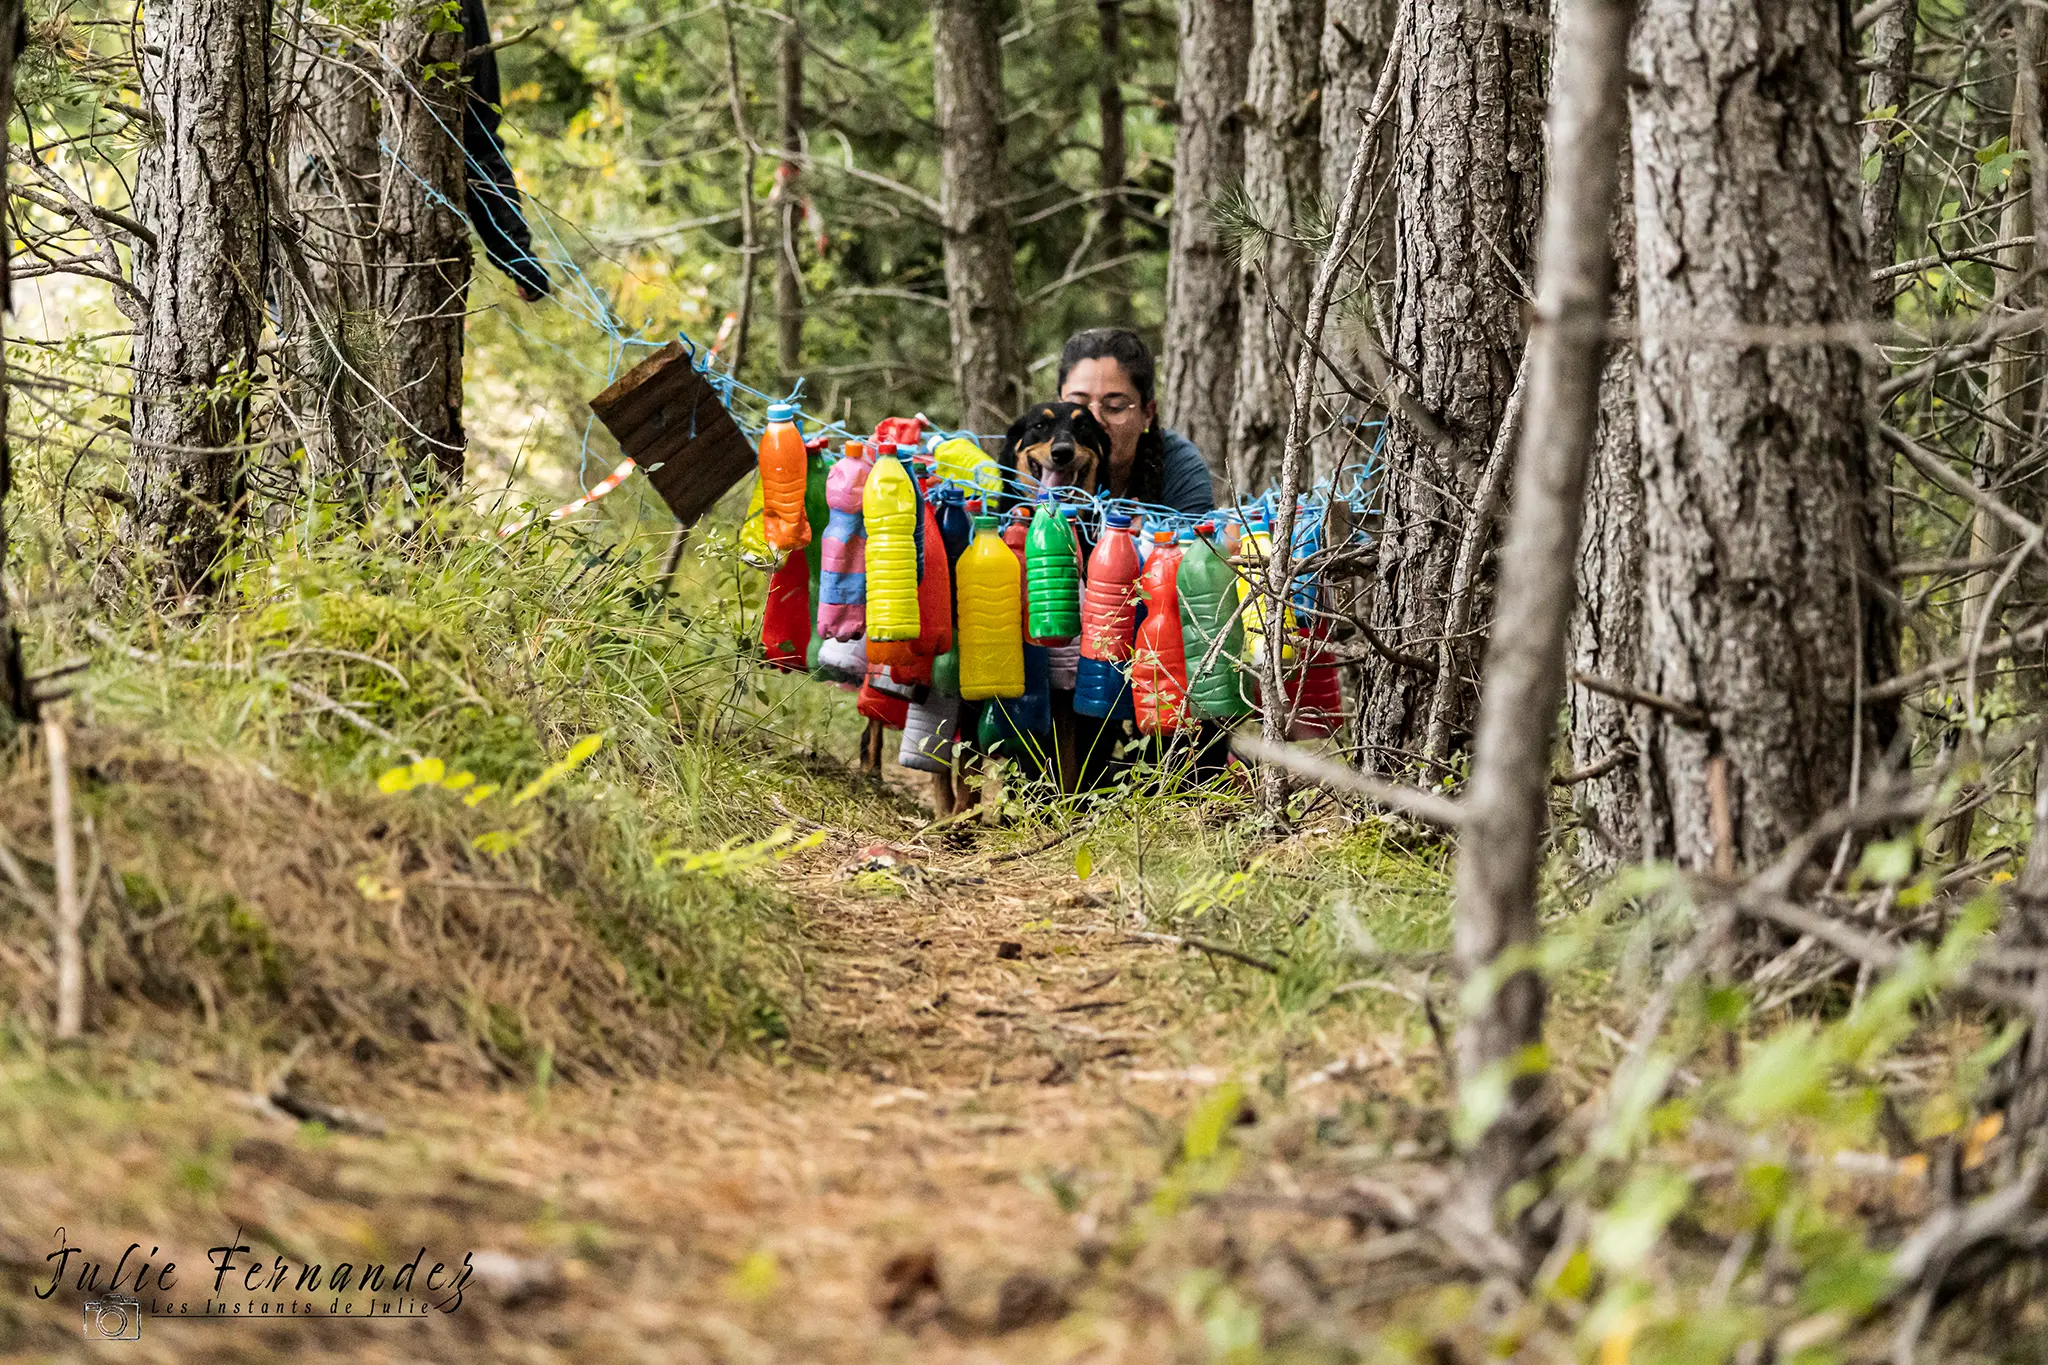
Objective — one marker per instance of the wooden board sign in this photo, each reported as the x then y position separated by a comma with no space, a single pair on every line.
668,418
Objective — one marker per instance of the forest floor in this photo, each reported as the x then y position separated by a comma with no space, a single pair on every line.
994,1134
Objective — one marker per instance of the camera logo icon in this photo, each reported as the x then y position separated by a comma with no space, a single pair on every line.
112,1317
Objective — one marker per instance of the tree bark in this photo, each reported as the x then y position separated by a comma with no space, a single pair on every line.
1494,905
423,276
325,274
1762,504
16,703
1200,353
981,282
1282,182
750,236
1354,45
202,187
1891,53
1467,195
1607,628
789,293
1109,105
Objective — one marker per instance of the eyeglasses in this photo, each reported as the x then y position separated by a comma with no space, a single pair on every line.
1115,405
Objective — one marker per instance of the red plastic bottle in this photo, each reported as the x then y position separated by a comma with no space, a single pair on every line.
786,620
1315,696
1159,664
875,704
1109,601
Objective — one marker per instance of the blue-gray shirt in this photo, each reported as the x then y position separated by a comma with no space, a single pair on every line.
1188,487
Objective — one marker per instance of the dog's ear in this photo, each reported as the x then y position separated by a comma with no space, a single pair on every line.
1014,437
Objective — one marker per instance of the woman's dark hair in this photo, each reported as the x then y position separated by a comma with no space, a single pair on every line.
1128,349
1120,344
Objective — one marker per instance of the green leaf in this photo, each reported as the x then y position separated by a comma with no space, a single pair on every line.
1786,1075
1886,864
1625,1233
1991,152
1211,1119
1873,166
1084,862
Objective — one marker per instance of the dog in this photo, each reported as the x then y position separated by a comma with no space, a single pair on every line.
1056,445
1059,445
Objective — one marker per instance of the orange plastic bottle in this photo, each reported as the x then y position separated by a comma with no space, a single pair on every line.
784,466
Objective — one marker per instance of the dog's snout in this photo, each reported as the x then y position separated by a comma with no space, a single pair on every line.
1062,453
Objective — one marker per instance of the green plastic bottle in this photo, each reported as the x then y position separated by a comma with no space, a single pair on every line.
1207,587
1052,568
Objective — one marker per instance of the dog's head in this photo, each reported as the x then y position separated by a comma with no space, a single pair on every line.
1057,445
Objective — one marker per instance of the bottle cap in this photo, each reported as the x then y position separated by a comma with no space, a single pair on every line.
1119,519
885,447
1207,528
782,412
1162,537
983,521
855,450
1187,535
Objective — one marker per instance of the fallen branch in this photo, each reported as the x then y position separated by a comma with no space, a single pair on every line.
1204,945
70,907
1413,802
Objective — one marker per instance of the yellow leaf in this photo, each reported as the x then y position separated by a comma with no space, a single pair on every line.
556,771
480,794
459,781
428,771
1981,1135
374,890
1084,862
1614,1347
395,780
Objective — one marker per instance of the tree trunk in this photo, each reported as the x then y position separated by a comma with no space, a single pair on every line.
750,236
1200,353
202,187
1109,105
16,704
1467,195
326,279
1282,183
981,282
789,293
423,278
1761,501
1607,628
1355,35
1891,53
1494,893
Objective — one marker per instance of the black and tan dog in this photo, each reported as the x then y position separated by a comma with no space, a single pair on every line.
1059,445
1056,445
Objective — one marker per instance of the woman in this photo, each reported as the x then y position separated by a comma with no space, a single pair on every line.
1109,371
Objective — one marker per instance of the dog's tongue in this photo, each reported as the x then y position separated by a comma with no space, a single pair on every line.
1052,478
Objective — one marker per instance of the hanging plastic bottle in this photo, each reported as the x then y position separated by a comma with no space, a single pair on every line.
1052,564
961,461
755,552
931,730
1023,723
1258,547
883,699
1206,586
1159,666
786,620
991,628
843,586
1315,696
889,508
783,460
843,660
1108,623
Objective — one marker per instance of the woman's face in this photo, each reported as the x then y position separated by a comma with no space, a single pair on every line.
1105,388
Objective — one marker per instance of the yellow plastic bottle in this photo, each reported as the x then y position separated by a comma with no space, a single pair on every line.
965,463
1257,546
754,548
889,507
991,634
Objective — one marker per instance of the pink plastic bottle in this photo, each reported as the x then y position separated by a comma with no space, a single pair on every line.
842,584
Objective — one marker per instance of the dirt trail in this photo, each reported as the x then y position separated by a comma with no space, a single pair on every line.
981,1063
